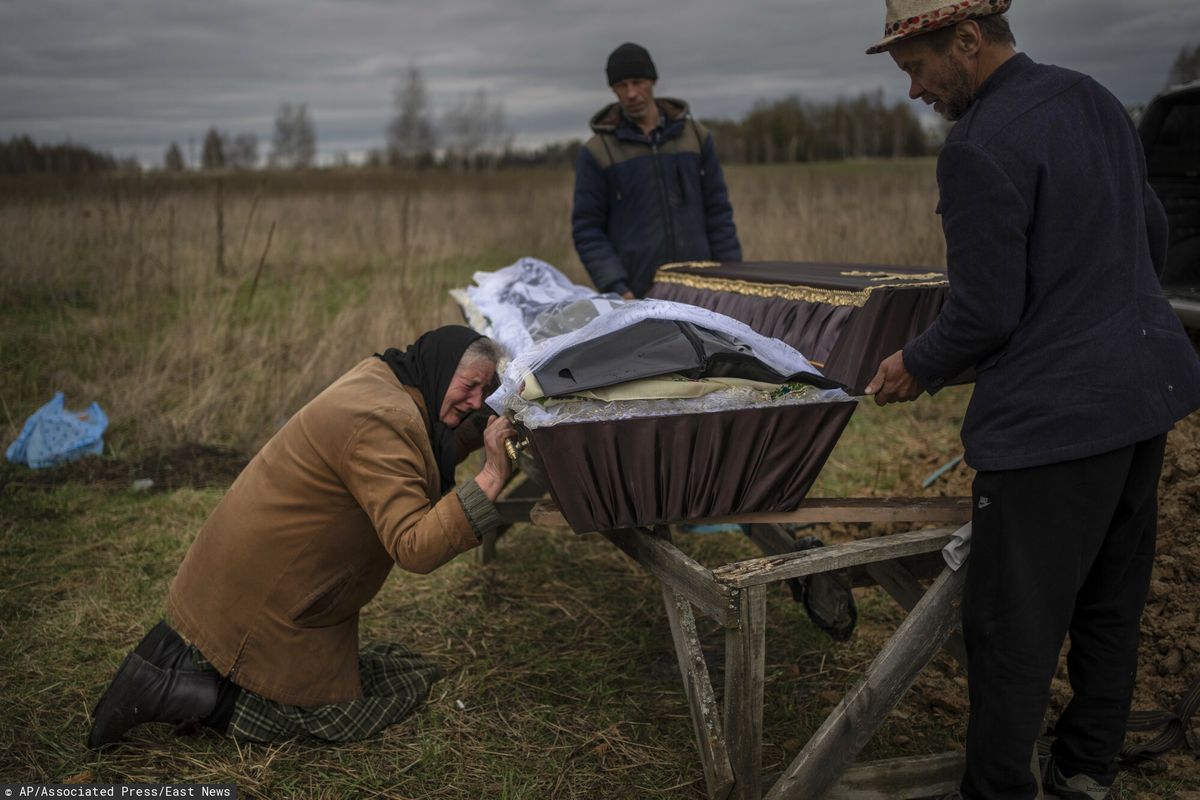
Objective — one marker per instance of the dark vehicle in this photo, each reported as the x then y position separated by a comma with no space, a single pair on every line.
1170,131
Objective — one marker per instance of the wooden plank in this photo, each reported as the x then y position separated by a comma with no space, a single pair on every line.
514,504
547,515
664,561
907,591
772,538
522,487
917,510
855,719
863,509
905,778
923,567
756,571
513,510
745,658
718,774
486,553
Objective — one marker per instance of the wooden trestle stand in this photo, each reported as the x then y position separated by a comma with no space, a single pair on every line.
730,739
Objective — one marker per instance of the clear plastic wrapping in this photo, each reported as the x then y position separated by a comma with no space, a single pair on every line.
562,411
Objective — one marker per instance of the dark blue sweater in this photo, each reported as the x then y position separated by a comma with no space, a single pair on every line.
1054,244
644,201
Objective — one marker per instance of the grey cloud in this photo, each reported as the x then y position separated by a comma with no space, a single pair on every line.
132,75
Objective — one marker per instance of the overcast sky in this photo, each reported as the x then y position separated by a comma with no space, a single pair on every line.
130,76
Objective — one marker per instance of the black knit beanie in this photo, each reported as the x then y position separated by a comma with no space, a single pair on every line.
630,61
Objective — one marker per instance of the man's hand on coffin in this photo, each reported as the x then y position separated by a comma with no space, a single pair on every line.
496,466
893,383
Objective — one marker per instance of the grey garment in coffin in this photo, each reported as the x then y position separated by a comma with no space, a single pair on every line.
655,347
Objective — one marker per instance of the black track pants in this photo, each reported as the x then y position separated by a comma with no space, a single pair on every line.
1056,549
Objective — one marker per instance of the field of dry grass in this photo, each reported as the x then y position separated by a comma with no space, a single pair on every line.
187,334
194,319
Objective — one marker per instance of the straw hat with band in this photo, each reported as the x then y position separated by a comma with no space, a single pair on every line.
909,18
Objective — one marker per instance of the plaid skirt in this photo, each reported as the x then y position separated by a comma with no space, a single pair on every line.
395,683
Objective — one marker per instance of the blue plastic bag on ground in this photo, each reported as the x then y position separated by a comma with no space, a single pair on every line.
53,435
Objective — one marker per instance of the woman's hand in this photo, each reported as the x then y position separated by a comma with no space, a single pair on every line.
496,466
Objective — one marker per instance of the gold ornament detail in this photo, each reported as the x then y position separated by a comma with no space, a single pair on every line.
893,276
805,294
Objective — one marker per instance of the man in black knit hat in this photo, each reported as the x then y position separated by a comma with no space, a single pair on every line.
649,191
648,187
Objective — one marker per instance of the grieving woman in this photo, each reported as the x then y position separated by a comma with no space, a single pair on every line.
263,639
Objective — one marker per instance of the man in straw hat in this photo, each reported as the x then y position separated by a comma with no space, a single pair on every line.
1054,241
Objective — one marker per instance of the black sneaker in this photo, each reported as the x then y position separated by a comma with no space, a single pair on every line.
1077,787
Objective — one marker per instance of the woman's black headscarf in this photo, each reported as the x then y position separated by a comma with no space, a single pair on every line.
429,364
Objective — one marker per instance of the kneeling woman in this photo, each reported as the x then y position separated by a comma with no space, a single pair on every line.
263,641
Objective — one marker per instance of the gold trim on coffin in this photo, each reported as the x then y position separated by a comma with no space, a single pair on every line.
806,294
876,275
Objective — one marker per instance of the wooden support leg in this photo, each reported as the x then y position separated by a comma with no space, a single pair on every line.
906,590
905,778
487,547
848,728
745,654
718,774
772,538
516,501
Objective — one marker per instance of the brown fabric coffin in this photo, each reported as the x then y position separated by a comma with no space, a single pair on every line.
845,317
620,474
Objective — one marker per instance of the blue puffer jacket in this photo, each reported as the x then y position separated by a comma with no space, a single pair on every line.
644,201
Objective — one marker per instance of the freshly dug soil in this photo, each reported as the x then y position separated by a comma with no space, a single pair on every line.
1169,657
1169,654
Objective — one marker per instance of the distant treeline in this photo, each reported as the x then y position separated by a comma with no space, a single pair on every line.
788,130
20,155
779,131
794,129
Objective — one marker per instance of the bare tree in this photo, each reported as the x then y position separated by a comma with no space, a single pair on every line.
1186,67
476,131
212,153
410,135
295,141
306,139
242,151
282,143
173,158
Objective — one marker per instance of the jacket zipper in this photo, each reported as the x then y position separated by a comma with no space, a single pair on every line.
662,197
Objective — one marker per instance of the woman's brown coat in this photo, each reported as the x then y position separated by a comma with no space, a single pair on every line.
271,588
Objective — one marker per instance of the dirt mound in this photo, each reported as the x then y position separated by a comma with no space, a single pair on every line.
188,465
1169,660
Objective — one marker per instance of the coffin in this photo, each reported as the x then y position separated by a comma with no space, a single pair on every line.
845,318
657,470
652,470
